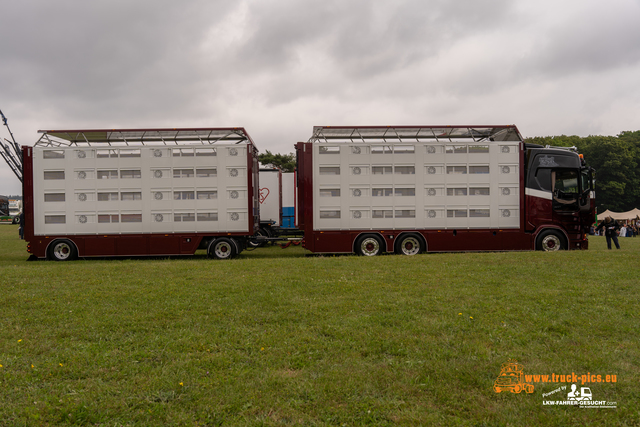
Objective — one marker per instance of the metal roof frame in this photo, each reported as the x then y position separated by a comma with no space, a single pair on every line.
411,134
139,137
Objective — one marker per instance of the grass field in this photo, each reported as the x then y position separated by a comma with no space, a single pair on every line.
277,338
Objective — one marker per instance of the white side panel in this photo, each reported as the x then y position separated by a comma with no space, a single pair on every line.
416,186
270,196
140,190
288,190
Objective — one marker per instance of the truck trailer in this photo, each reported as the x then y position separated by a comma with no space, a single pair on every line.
137,192
412,189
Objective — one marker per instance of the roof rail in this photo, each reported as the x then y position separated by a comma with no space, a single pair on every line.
137,137
412,134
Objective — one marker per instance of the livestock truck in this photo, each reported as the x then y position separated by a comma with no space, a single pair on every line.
368,190
136,192
407,190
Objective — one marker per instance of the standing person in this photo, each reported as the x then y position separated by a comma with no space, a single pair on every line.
611,228
623,231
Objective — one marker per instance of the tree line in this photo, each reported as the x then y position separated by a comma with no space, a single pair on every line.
615,159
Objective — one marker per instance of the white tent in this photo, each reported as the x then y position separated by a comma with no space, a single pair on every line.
632,214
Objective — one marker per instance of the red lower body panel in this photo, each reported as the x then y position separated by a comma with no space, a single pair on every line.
437,241
125,245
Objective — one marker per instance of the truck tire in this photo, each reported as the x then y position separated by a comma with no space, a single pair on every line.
550,241
260,232
409,244
369,245
222,248
62,250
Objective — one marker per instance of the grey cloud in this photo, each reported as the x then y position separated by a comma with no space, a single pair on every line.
594,40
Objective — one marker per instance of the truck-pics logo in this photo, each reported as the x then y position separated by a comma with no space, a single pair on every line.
512,379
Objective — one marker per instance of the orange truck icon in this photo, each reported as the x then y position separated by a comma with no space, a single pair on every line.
511,378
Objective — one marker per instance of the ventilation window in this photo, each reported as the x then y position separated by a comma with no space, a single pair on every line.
137,217
456,213
382,213
108,218
478,169
405,170
330,192
457,170
381,149
53,154
330,214
479,213
205,152
55,219
206,173
125,153
479,191
477,149
182,152
207,195
207,216
456,149
183,195
183,173
381,192
381,170
130,173
130,195
54,197
53,175
456,191
184,217
329,150
107,196
329,170
107,174
404,149
405,192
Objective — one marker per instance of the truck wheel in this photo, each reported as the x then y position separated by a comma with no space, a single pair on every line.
260,232
550,241
222,248
409,244
62,250
369,245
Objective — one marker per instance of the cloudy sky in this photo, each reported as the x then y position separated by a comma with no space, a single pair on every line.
279,67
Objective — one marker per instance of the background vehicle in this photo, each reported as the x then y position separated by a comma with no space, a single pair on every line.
277,203
15,209
140,192
407,190
4,210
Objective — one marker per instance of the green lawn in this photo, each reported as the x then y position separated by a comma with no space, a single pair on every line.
277,338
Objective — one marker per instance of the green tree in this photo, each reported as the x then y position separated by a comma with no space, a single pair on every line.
285,162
